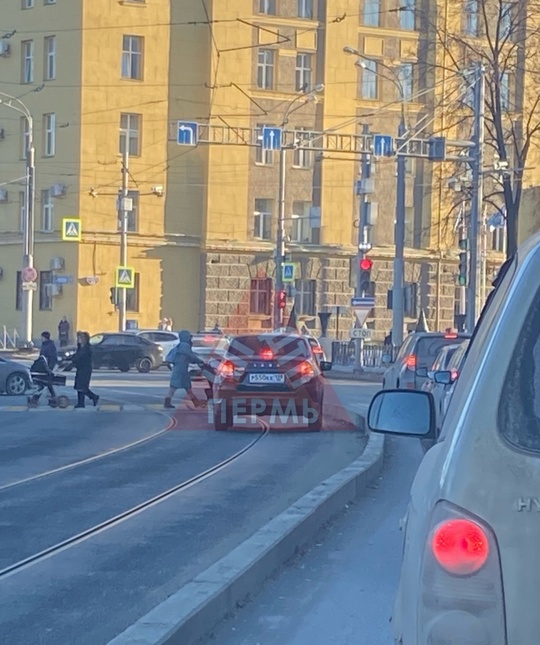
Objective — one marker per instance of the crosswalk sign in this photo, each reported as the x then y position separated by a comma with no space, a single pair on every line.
71,229
125,278
288,272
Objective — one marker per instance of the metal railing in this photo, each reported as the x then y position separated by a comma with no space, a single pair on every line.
9,340
343,353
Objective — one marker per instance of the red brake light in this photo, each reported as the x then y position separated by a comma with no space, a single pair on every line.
306,369
267,354
455,374
410,362
226,369
460,547
317,350
450,335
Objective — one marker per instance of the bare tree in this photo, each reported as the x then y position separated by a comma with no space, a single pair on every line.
504,36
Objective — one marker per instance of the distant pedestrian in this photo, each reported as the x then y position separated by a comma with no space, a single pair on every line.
182,357
63,332
48,350
168,324
82,360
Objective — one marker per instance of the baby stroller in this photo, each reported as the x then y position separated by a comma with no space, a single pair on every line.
43,377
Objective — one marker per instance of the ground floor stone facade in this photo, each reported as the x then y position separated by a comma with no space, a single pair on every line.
227,296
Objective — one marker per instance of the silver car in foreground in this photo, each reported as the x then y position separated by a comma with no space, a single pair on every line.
14,377
471,557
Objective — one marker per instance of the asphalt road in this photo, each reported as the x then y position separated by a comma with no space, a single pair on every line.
342,591
93,590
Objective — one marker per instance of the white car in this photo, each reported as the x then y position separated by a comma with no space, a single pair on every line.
471,562
166,339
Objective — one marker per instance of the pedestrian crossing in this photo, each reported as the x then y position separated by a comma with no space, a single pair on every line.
112,407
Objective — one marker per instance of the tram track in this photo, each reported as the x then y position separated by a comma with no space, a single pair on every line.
68,543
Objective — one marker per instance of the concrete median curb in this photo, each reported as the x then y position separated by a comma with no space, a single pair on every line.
370,377
191,613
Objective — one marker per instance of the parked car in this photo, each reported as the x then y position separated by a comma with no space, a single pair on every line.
122,350
267,374
211,347
166,339
471,562
14,377
418,351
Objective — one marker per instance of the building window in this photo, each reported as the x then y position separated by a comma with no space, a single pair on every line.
260,296
132,57
45,297
22,210
49,129
47,211
302,156
133,295
305,9
407,15
265,69
504,88
263,156
505,20
268,7
304,72
133,215
410,297
27,4
370,89
471,17
18,292
50,1
28,61
372,12
50,58
304,300
25,137
498,238
262,219
301,223
405,75
130,127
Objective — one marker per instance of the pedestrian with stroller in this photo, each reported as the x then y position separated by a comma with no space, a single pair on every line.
82,361
181,357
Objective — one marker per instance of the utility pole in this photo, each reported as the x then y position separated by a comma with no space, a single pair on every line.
124,210
28,229
477,194
280,246
398,298
364,191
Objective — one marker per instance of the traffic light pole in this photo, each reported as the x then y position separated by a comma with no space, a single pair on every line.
362,241
122,309
477,196
280,245
399,235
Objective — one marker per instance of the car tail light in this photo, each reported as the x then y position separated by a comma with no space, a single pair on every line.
306,369
317,350
226,369
461,590
455,374
267,354
410,362
450,335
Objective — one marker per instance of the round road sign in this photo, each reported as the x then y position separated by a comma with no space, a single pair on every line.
29,274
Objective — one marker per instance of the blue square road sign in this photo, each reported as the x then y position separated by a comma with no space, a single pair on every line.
188,133
271,138
383,145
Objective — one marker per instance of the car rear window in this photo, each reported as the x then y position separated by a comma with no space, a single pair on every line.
427,349
280,345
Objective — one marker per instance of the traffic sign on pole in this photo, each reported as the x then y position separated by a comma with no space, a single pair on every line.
125,278
271,138
188,133
383,145
29,274
289,270
361,332
363,302
71,229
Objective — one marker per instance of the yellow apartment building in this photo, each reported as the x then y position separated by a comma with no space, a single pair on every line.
103,75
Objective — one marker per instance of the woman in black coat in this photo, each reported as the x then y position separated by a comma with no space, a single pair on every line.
82,360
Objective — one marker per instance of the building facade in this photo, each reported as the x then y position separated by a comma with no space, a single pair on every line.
99,77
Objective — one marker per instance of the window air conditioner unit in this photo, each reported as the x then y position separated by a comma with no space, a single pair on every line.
53,289
5,48
3,195
57,264
58,190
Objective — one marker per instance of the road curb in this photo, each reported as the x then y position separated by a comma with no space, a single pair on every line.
369,377
192,612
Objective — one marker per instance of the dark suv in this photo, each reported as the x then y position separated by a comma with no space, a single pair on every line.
118,350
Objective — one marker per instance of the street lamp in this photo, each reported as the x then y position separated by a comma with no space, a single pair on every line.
293,106
28,222
399,224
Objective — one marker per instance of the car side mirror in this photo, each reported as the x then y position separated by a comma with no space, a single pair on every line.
399,412
422,372
443,378
325,366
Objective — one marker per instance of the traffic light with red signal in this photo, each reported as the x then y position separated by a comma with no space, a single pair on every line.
365,275
282,299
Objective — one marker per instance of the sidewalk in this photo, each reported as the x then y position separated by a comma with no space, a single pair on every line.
347,373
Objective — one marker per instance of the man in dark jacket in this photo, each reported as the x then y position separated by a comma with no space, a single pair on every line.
48,350
82,360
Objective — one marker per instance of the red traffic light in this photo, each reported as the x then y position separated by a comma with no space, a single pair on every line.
366,264
282,299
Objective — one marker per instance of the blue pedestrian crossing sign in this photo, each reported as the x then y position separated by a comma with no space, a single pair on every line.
71,229
271,138
125,278
289,270
188,133
383,145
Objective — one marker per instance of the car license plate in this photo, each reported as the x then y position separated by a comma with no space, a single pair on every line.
266,378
